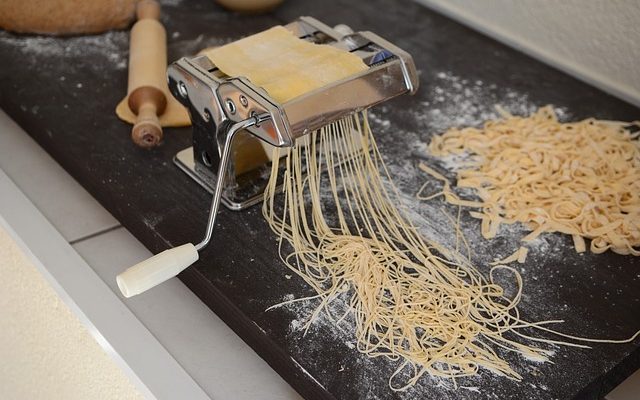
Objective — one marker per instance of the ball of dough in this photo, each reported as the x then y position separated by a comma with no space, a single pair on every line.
59,17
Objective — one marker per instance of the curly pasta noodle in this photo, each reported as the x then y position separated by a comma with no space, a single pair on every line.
580,178
413,301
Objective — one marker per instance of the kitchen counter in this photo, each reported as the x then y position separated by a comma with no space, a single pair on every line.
63,92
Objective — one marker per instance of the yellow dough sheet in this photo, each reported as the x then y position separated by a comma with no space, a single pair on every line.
276,60
283,64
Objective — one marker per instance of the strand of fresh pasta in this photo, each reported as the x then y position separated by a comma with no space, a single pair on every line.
413,301
580,178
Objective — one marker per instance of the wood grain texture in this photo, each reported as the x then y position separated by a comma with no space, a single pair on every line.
240,274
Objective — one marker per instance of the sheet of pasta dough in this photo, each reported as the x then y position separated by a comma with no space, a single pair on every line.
276,60
283,64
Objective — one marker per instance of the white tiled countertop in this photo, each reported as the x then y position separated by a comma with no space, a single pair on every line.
168,342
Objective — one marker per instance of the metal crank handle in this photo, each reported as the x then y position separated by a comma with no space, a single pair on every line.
163,266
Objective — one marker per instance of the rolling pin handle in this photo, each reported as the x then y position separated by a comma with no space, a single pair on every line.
147,102
148,9
157,269
147,131
147,74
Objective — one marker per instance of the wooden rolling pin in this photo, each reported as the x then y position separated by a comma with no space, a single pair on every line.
147,74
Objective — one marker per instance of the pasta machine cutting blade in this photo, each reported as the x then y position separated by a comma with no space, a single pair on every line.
230,115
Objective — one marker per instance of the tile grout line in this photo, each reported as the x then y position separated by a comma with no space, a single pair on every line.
94,234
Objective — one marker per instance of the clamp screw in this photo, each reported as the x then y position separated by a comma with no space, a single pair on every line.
182,89
243,100
231,106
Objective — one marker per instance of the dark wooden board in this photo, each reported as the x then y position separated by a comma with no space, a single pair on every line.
63,92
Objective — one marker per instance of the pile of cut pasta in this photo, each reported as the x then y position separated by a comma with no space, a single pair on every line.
580,178
414,301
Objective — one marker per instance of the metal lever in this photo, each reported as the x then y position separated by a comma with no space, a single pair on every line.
171,262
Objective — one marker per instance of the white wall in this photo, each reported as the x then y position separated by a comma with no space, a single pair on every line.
595,40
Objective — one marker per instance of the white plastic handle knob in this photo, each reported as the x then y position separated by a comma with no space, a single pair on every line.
157,269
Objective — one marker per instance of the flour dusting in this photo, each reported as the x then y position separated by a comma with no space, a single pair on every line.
451,102
110,48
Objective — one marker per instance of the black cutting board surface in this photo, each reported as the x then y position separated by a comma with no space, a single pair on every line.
63,91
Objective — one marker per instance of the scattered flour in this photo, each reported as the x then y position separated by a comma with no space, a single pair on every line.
459,102
452,101
111,47
171,3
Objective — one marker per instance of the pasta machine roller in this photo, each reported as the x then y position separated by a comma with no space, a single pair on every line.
230,115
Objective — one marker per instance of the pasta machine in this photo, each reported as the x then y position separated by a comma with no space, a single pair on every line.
230,116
